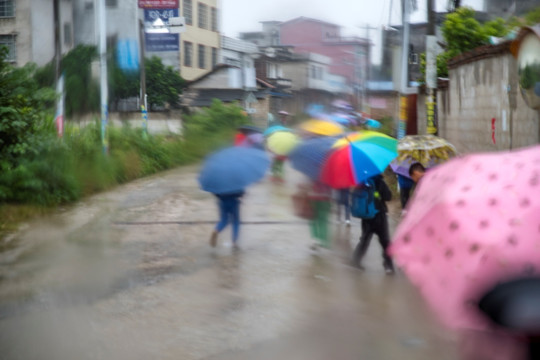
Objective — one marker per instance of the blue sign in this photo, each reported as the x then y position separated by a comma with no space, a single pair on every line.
150,15
161,42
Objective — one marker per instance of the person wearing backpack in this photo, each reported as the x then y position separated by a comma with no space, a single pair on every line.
369,204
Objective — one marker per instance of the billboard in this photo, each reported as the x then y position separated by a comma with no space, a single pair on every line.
150,15
161,42
158,4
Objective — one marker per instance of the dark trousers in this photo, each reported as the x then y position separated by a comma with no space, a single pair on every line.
404,196
229,211
378,226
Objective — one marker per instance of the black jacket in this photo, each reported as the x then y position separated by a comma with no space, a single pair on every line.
384,193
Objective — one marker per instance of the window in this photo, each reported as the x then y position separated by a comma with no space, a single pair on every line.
214,19
202,60
9,42
7,8
188,12
67,34
111,3
202,11
214,57
271,71
188,54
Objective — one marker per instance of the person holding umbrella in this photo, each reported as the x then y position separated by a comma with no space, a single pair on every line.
226,174
377,225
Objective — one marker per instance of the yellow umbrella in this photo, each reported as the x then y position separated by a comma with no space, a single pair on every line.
321,127
282,142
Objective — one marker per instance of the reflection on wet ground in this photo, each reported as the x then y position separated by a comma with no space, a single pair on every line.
129,275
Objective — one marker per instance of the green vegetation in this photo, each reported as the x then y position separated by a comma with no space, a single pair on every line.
462,33
82,92
163,83
40,170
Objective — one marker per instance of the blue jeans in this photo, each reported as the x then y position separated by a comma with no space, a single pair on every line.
229,210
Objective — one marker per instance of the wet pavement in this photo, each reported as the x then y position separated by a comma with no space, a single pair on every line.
129,274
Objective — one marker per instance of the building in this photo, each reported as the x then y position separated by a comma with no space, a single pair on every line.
507,8
27,30
392,38
350,56
199,49
241,55
224,83
311,81
269,36
122,26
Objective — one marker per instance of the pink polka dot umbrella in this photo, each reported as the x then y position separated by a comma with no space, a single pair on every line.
472,223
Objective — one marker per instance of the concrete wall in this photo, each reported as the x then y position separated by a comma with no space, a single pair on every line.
482,90
158,122
33,25
42,28
122,20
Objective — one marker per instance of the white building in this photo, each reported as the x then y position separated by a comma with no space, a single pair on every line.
122,24
310,71
27,29
240,54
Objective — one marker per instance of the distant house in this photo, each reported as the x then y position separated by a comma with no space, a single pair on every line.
350,56
240,54
224,82
311,81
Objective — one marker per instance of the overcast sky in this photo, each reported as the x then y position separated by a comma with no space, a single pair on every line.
245,15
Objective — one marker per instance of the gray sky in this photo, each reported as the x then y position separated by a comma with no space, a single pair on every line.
245,15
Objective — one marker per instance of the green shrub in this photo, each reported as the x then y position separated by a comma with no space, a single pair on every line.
214,119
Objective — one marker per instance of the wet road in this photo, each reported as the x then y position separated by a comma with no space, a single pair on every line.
129,274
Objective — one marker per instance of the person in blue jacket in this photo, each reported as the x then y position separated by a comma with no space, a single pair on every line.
405,186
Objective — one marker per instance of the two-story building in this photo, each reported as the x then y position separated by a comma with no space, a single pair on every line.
27,30
311,81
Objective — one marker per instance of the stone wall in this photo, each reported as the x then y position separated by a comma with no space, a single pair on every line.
483,91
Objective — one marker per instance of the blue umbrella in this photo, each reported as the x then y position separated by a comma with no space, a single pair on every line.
232,169
276,128
309,156
373,123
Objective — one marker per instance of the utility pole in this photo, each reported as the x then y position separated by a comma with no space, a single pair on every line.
57,44
404,83
431,70
104,90
58,79
366,69
144,109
